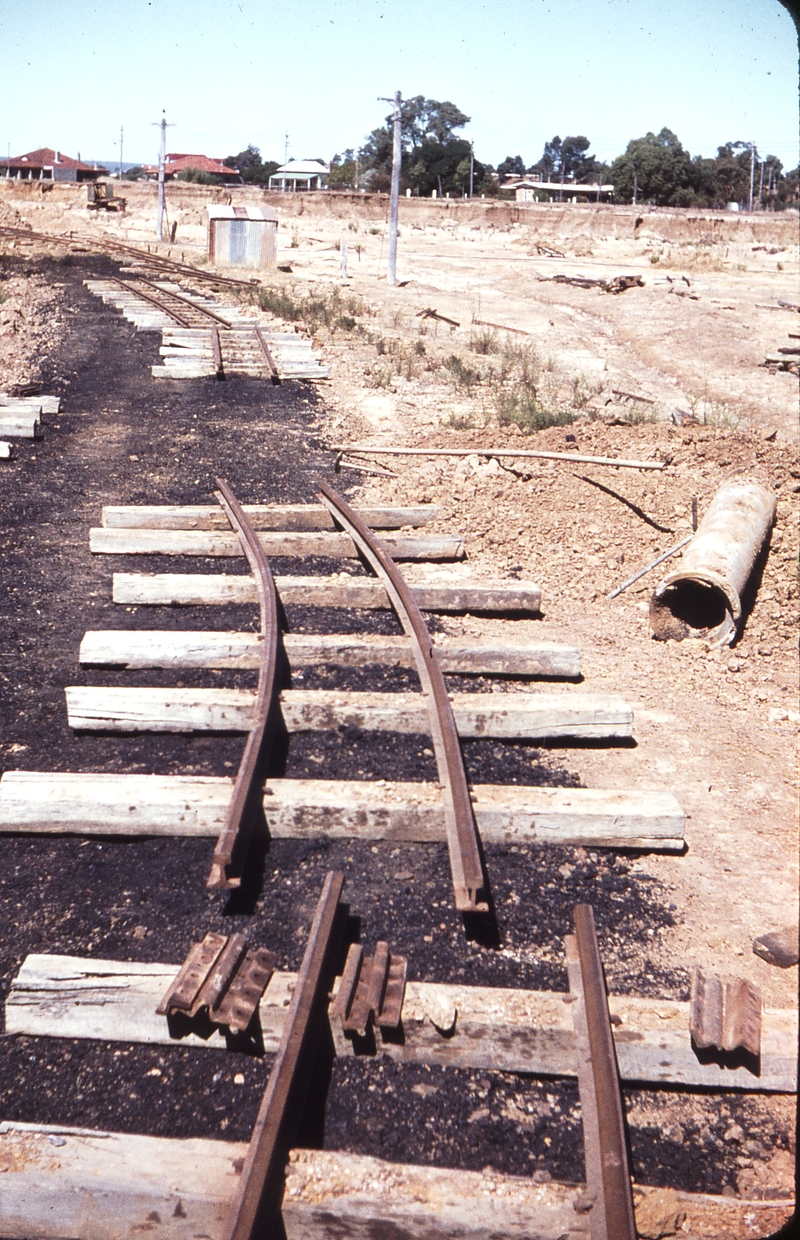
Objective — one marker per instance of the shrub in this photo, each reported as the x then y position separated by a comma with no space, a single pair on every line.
484,342
521,407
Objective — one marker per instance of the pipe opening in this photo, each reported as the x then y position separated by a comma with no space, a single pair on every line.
690,608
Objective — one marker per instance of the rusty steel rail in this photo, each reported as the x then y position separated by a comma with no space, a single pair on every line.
231,847
268,358
187,301
256,1203
159,305
466,865
608,1199
154,259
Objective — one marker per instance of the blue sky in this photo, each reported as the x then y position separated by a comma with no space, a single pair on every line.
229,73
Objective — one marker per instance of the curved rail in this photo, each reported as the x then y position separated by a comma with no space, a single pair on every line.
608,1199
231,847
466,865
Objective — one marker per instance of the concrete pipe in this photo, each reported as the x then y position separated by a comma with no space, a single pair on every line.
703,597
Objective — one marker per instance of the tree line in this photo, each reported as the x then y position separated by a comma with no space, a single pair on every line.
654,169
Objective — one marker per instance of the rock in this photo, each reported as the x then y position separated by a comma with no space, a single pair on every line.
659,1214
779,947
735,1134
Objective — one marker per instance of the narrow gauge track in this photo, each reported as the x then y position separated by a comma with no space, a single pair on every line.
64,1152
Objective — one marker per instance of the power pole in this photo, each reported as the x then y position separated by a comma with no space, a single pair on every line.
471,168
285,148
162,159
397,155
635,185
752,173
760,183
356,172
119,176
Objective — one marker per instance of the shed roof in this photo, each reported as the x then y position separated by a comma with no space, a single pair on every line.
224,212
46,157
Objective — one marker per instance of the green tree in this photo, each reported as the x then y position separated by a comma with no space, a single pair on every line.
512,166
253,169
660,169
568,159
427,130
342,173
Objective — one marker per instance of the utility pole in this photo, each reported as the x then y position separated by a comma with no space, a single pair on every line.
471,168
119,175
285,148
356,173
397,155
635,185
752,173
760,184
162,159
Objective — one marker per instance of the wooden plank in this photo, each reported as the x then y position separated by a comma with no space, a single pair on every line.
104,541
295,517
112,1186
20,425
140,648
461,1026
510,715
46,404
39,802
189,589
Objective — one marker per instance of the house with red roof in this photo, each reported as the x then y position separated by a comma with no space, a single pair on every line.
49,165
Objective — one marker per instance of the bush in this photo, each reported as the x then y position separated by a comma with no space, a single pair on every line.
521,407
463,376
331,309
484,342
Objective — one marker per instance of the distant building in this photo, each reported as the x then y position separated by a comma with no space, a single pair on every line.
49,165
531,189
201,163
299,174
176,164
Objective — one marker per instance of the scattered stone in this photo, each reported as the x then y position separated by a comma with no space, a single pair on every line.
659,1214
779,947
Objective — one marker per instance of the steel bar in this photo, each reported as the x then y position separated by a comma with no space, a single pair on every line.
609,1199
172,314
649,567
469,880
231,846
268,358
256,1201
489,453
187,301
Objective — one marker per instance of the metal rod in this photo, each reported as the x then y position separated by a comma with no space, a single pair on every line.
257,1200
469,880
268,358
369,450
655,563
607,1169
231,847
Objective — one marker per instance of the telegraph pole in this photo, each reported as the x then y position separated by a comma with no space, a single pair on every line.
397,155
119,177
162,159
752,174
471,168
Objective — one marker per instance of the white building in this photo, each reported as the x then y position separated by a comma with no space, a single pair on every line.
299,174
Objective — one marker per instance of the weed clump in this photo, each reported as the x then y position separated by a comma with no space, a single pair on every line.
521,407
331,309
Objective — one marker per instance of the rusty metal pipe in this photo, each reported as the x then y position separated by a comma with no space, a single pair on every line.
703,597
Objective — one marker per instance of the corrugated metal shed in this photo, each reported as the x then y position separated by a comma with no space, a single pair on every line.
242,236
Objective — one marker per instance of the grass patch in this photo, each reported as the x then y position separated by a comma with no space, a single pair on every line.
331,309
484,342
463,377
521,407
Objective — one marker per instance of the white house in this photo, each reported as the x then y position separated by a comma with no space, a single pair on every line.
300,174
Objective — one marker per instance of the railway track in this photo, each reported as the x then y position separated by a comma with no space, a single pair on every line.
107,1183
